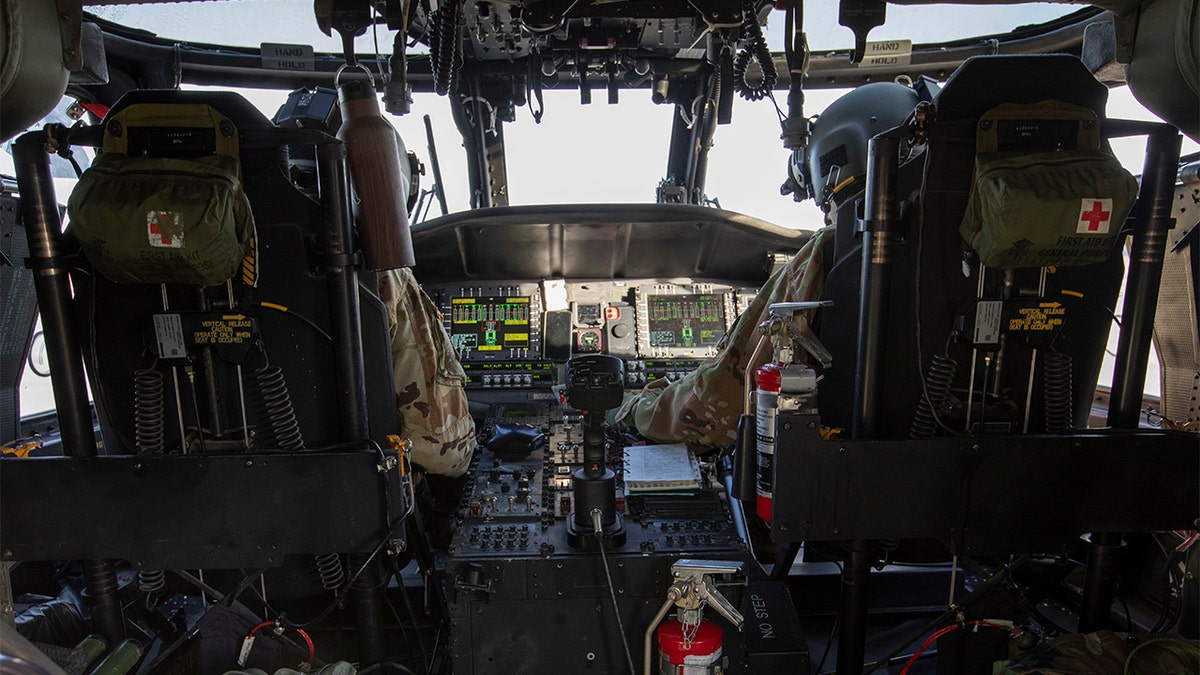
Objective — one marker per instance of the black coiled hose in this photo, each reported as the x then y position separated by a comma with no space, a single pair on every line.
444,45
754,48
937,390
285,428
149,412
1057,390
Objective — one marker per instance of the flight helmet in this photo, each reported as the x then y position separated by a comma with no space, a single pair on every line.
836,155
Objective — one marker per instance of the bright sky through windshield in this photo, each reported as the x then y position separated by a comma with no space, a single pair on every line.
247,23
603,153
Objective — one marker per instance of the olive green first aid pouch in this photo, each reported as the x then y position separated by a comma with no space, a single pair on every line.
175,220
1034,209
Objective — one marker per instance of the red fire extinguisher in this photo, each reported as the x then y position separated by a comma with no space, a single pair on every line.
768,381
689,650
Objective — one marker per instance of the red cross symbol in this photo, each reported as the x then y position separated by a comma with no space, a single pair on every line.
1095,217
163,230
163,224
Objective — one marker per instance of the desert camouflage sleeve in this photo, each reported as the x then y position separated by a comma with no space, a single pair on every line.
428,377
703,407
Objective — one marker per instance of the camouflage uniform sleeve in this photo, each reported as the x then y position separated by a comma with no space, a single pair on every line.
428,378
703,407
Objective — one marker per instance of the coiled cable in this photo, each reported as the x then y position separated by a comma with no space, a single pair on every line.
755,47
285,428
149,412
937,389
445,48
1057,388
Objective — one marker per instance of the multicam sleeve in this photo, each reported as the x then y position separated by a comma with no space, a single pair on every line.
703,407
428,378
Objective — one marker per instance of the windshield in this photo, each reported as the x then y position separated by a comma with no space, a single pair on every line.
248,23
617,153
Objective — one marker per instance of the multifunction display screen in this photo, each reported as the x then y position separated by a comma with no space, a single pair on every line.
685,320
489,323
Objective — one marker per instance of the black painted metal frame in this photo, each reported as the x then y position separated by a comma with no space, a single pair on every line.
189,511
983,495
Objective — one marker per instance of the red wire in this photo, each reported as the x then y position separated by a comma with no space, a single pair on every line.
942,631
312,651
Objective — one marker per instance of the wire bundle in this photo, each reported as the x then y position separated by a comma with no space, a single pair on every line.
1002,625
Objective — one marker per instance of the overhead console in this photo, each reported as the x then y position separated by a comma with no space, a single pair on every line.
655,285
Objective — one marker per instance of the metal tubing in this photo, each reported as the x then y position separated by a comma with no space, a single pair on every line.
476,154
101,581
703,131
784,561
366,596
497,165
208,366
680,149
439,187
735,509
746,458
1153,221
1100,583
43,228
350,373
882,167
852,611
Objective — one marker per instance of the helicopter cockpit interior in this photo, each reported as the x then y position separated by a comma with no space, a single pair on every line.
948,424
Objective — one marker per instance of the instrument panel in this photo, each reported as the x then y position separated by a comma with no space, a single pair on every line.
517,335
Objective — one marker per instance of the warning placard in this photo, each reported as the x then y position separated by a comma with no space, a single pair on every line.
230,336
1045,316
230,329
